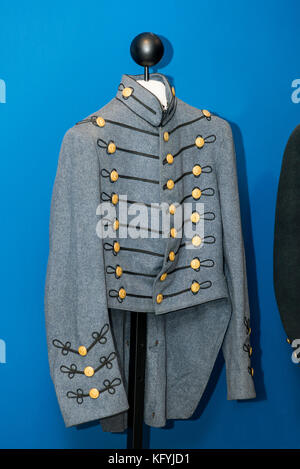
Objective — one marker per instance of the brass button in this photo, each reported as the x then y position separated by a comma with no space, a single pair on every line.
196,194
82,350
114,175
195,287
163,276
100,121
119,271
169,158
114,199
172,256
173,232
166,136
170,184
116,225
206,113
94,393
195,263
89,371
249,331
196,241
173,90
250,351
172,209
111,147
199,142
197,170
195,217
117,246
251,371
288,340
127,92
122,293
159,298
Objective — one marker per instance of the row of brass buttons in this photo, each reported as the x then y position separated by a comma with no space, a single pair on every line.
196,194
195,217
194,264
199,142
197,170
195,287
100,121
196,241
172,208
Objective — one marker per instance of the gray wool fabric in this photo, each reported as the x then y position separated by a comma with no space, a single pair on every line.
190,282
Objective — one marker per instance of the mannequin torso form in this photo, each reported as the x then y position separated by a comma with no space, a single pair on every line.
156,87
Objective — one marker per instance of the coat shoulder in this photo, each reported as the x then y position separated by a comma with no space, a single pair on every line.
218,122
86,128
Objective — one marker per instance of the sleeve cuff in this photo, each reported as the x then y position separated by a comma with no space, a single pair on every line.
240,384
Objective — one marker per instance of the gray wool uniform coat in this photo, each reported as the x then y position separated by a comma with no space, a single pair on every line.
191,283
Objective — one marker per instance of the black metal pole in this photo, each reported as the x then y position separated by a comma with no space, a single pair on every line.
136,385
146,49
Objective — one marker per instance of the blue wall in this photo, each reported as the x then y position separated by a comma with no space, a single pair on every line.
61,61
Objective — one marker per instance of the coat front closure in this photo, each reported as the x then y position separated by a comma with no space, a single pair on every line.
160,161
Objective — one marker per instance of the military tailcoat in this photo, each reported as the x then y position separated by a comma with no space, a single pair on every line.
191,285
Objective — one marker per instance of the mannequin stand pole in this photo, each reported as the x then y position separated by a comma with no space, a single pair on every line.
136,385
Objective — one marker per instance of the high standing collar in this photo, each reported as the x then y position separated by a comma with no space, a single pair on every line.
143,102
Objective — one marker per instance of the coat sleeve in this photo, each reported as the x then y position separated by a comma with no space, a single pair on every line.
83,360
236,345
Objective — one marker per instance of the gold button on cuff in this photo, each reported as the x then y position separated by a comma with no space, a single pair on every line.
114,199
170,184
163,276
173,90
82,350
173,232
172,256
94,393
100,121
195,263
159,298
196,194
195,287
114,175
195,217
199,142
197,170
288,340
196,241
117,246
166,136
122,293
111,147
89,371
116,225
127,92
206,113
172,209
169,158
119,271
